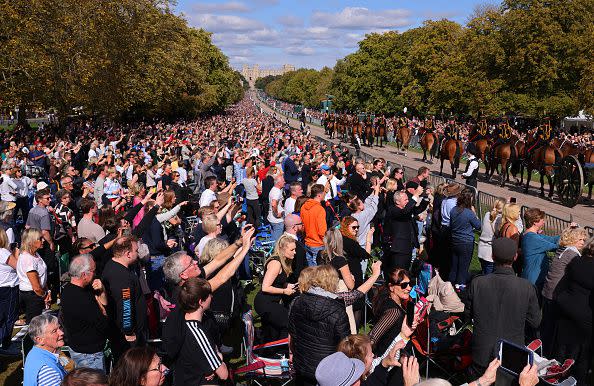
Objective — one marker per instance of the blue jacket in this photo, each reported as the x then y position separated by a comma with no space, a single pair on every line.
462,225
35,360
534,249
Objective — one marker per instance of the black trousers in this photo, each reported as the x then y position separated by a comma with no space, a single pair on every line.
253,212
32,304
9,306
22,203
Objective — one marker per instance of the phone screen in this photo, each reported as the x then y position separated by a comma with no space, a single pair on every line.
513,358
512,200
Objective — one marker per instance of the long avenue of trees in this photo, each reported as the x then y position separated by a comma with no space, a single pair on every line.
112,58
529,57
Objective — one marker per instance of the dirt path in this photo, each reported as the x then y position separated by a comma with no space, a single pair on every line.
583,213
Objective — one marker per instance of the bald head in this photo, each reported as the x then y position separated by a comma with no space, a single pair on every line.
292,223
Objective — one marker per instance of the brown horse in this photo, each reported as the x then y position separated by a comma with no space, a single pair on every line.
501,155
517,164
403,138
450,150
380,131
428,144
357,129
543,160
369,132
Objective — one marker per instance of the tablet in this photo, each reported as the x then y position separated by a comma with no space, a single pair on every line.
514,357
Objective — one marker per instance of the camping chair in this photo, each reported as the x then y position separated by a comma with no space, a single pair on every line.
259,366
424,344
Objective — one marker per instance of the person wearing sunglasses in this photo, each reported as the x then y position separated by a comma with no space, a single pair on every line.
390,312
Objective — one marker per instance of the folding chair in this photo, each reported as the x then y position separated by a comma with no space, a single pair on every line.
424,345
260,367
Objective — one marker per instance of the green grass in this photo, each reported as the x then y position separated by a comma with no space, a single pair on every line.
13,125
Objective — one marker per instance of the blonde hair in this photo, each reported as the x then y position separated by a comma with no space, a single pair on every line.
332,245
391,184
211,249
326,278
497,208
305,277
570,236
280,245
29,237
510,213
3,239
210,223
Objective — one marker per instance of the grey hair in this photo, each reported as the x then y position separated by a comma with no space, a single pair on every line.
79,265
172,267
212,248
38,324
434,382
277,178
397,195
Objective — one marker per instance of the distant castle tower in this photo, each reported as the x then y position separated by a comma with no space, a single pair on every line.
253,73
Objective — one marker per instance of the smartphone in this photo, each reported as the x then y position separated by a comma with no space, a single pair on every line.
153,190
410,312
512,200
514,357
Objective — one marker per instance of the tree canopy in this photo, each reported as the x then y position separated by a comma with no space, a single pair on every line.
111,57
529,57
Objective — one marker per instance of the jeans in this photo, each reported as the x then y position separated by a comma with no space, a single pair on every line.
9,305
487,266
461,256
92,361
311,255
276,230
156,277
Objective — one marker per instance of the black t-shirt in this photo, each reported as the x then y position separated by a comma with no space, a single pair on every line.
84,324
198,356
354,254
126,307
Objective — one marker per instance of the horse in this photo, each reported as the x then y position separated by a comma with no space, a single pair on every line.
357,129
542,159
330,126
380,132
502,155
450,150
369,132
428,144
517,164
403,138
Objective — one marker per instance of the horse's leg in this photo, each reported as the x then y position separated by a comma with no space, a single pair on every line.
501,173
441,167
541,174
453,166
590,186
551,185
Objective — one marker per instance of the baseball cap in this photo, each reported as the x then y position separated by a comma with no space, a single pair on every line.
5,206
339,370
325,167
42,185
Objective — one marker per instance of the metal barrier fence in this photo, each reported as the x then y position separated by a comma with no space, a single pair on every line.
553,225
485,202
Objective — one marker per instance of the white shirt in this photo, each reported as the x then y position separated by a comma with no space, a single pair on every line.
334,183
473,165
207,197
202,244
92,153
8,189
183,175
290,205
28,263
8,275
275,194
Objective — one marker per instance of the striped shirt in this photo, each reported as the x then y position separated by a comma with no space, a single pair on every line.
48,377
212,359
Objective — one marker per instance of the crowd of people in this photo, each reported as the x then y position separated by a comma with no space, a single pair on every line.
139,238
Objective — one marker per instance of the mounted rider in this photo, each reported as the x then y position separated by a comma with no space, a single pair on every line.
542,136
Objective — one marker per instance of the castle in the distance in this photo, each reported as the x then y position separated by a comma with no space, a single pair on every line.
255,72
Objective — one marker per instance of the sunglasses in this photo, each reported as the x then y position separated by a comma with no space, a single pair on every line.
355,227
404,284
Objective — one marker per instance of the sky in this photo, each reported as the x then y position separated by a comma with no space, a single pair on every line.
309,33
